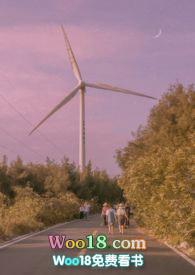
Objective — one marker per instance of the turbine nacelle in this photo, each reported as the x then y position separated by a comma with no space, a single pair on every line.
82,84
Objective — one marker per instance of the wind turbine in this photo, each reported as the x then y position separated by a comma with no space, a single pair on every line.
81,88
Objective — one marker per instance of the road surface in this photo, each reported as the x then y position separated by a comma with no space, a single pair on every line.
33,256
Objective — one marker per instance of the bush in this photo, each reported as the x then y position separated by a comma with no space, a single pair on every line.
30,212
21,217
60,209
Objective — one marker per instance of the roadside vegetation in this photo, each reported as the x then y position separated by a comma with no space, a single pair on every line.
33,196
158,168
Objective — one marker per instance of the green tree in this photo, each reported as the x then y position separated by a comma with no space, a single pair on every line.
157,166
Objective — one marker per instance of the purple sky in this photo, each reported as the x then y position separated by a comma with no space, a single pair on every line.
113,42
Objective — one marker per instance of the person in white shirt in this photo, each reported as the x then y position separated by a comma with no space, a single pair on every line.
86,210
121,217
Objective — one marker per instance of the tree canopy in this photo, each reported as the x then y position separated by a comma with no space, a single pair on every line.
158,166
33,196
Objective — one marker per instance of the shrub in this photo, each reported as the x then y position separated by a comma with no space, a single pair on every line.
21,217
59,209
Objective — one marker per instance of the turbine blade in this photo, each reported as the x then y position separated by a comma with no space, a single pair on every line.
71,56
57,107
116,89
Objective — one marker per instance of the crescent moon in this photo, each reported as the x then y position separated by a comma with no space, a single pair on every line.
158,34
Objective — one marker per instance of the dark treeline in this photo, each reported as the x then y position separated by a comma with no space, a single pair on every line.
158,167
33,196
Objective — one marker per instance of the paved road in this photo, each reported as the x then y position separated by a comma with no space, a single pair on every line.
33,256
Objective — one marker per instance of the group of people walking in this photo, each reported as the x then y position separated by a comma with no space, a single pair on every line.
118,214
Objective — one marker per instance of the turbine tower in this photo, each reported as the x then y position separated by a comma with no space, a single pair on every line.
81,88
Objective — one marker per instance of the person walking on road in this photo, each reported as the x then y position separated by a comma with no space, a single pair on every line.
86,210
127,214
121,217
81,211
111,218
104,209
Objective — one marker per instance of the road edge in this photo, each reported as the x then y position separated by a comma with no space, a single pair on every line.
177,251
26,236
183,255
